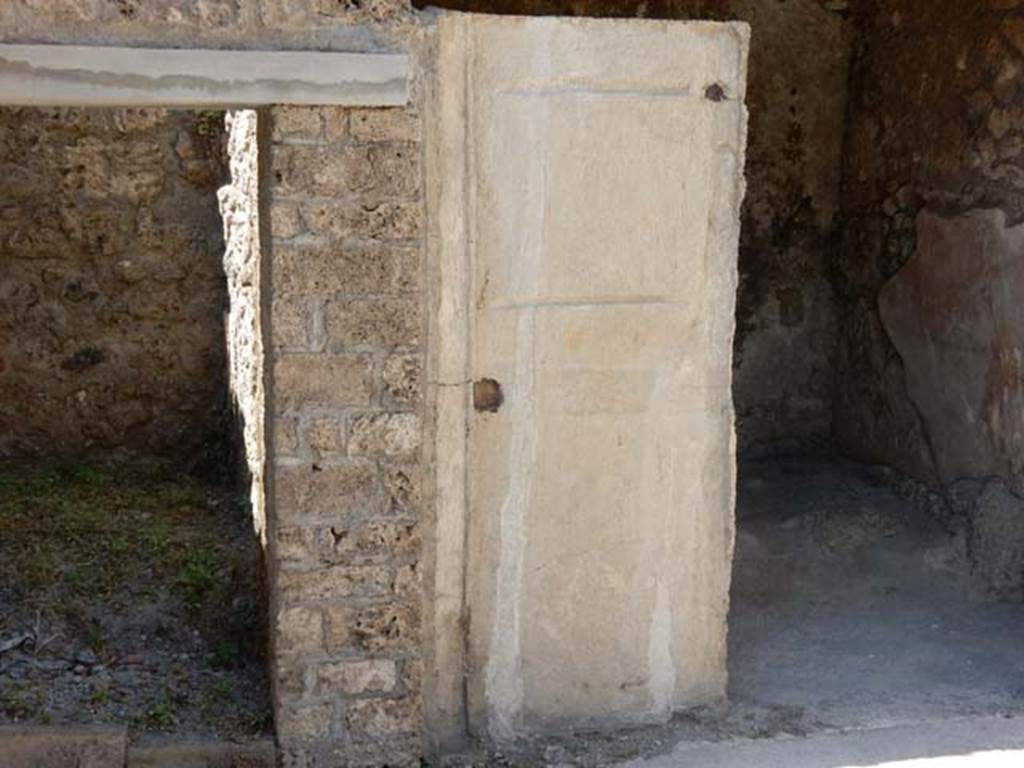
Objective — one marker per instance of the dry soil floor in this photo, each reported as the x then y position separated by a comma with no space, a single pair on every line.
854,609
128,596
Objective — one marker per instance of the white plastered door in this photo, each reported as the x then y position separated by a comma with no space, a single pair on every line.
585,179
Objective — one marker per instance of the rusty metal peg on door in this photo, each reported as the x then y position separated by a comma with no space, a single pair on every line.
487,396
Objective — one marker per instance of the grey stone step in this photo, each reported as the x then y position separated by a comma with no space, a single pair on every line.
107,747
62,747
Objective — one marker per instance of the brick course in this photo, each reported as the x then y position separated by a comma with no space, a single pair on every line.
346,359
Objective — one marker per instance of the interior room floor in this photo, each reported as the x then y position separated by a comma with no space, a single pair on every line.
851,606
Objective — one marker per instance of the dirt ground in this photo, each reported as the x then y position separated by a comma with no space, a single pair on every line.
856,607
129,595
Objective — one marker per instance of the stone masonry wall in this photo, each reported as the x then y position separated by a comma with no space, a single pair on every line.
930,377
341,300
239,207
936,128
261,24
346,221
799,62
111,286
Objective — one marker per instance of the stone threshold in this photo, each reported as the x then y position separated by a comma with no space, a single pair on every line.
107,747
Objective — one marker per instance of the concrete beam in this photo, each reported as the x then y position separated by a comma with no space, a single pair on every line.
100,76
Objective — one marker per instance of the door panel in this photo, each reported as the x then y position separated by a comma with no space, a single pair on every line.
601,192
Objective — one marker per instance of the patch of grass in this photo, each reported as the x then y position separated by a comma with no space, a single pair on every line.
100,547
219,690
241,725
100,695
226,654
158,539
184,494
20,701
209,123
71,534
159,716
199,576
77,539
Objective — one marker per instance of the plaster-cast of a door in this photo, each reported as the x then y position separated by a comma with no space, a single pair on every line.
584,192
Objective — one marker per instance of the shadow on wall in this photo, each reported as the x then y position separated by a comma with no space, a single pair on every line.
929,373
112,291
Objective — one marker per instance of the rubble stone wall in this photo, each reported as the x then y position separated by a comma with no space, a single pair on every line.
340,200
798,70
243,264
929,374
936,133
112,291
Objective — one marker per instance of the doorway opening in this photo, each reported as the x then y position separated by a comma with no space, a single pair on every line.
879,559
130,573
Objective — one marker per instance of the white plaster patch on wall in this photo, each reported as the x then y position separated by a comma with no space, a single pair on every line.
504,664
662,672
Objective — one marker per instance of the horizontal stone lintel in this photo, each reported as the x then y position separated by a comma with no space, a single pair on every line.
103,76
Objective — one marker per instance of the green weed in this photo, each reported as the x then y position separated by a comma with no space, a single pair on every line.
18,701
198,576
100,695
160,716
